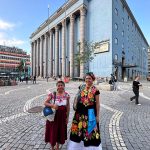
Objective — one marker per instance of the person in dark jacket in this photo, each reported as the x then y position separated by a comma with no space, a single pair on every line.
135,87
34,79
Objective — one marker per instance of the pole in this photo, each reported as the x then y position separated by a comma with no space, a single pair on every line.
65,44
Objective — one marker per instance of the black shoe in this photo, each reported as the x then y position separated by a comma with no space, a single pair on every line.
131,99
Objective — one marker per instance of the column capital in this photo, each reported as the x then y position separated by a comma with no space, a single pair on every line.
72,17
38,39
41,38
46,35
83,11
56,28
63,22
50,32
35,41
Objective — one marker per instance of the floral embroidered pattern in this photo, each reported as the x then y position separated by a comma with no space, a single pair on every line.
87,96
79,124
80,121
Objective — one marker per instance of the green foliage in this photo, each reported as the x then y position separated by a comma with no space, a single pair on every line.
21,65
85,53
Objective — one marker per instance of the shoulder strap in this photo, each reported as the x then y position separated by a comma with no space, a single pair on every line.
54,96
81,87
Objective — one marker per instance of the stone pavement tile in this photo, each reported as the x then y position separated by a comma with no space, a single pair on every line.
109,147
129,146
11,148
134,124
16,145
4,146
47,146
25,147
21,146
10,145
42,146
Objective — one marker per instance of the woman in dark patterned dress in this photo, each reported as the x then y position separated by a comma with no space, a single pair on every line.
85,133
56,131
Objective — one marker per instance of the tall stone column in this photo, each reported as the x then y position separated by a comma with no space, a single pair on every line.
38,56
82,37
32,47
72,19
56,51
63,49
45,55
51,52
37,60
47,47
41,56
34,56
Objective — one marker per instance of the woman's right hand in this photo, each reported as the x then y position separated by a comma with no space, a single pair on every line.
55,106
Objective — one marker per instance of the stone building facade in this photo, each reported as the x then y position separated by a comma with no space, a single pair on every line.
121,47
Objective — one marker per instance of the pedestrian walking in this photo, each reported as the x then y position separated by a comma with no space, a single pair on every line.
135,87
56,131
112,81
59,78
115,84
85,133
34,80
26,79
22,77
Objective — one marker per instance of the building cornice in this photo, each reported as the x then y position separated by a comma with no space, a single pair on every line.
133,18
56,14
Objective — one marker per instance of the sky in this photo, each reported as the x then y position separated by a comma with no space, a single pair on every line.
20,18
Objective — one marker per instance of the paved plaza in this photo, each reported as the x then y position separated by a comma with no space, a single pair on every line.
124,125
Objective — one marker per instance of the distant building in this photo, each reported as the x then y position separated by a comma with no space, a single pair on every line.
149,61
121,47
10,58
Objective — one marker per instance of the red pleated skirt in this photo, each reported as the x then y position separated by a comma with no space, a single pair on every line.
56,131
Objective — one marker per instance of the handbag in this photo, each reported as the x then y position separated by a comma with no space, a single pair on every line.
48,112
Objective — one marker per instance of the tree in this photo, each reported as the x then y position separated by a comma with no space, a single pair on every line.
21,66
85,53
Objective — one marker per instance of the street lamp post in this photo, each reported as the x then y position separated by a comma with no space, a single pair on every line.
65,43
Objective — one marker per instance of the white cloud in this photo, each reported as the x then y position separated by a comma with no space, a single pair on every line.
6,25
4,40
6,37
